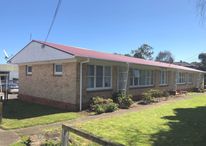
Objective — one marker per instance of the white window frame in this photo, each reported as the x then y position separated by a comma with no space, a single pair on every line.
163,78
180,78
148,78
27,70
190,78
103,82
56,72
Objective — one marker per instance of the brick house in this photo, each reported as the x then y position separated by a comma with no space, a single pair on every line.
67,77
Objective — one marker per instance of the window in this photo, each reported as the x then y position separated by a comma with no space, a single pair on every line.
163,77
180,78
29,70
57,69
190,78
91,76
99,76
107,76
141,77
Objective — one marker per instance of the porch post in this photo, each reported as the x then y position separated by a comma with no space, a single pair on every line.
127,78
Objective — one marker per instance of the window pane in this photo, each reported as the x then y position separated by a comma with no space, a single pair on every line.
107,71
136,81
136,73
163,79
99,76
99,81
131,81
90,83
107,82
142,77
58,68
90,70
29,69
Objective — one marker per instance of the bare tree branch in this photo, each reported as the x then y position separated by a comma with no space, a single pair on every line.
201,8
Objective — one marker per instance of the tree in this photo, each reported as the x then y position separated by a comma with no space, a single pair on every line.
202,58
144,51
165,56
128,55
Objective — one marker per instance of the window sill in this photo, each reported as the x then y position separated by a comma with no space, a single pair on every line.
180,83
58,75
98,89
162,85
146,86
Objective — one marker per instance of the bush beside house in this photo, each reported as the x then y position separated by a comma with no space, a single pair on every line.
152,95
124,100
101,105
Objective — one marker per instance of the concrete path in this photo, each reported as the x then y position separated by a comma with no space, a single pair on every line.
9,136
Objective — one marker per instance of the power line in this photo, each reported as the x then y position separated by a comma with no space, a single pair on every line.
53,19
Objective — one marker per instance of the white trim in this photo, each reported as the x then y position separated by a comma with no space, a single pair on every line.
181,83
103,79
98,89
149,78
80,88
163,84
27,70
58,73
181,76
165,77
142,86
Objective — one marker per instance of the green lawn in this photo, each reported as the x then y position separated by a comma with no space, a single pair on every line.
18,114
180,123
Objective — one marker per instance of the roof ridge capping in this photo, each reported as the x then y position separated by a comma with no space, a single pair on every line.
84,52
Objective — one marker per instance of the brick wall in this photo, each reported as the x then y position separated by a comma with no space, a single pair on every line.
63,91
45,85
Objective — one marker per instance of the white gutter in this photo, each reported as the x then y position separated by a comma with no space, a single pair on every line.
80,88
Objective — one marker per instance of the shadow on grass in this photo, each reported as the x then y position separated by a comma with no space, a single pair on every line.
16,109
187,128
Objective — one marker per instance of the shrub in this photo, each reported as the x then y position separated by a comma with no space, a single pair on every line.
111,107
150,95
102,105
99,108
147,98
124,101
115,96
26,140
155,93
166,94
200,90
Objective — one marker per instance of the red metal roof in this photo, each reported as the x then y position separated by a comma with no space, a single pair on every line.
79,52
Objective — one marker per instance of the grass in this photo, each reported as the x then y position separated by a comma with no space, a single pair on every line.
19,114
180,123
24,141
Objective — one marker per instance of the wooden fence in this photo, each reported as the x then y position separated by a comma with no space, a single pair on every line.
1,111
66,133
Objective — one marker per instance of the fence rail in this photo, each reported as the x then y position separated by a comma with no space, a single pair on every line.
67,129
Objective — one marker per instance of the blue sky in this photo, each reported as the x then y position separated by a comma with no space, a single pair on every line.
106,25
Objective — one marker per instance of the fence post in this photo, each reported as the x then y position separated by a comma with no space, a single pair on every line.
1,112
65,137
